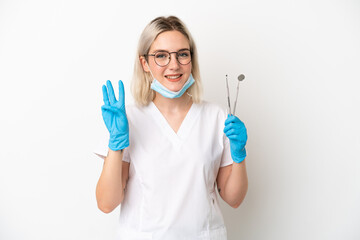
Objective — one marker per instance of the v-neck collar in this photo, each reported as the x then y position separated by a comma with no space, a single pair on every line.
185,127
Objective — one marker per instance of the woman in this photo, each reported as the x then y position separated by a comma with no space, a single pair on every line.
167,152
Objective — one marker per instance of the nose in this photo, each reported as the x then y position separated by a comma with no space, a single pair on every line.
173,63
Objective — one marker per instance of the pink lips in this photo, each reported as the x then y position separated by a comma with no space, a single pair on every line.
173,79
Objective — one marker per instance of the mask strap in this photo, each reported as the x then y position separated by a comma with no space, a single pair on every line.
150,71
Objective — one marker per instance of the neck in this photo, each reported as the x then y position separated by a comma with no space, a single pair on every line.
173,104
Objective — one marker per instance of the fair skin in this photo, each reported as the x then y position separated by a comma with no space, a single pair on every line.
112,182
174,110
231,180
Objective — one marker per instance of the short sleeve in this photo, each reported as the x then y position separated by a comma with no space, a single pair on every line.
226,156
126,156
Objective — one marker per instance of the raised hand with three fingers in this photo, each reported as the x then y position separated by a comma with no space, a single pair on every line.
114,115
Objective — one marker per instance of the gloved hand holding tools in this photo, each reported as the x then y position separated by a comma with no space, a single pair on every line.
235,130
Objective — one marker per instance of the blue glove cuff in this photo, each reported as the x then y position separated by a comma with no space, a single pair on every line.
240,157
119,142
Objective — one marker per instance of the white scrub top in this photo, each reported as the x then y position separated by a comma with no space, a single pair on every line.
170,194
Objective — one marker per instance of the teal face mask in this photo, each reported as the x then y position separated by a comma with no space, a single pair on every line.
158,87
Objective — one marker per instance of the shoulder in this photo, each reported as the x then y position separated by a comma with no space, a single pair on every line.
212,109
134,108
131,107
136,113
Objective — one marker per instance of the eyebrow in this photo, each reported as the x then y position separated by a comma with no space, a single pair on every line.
158,50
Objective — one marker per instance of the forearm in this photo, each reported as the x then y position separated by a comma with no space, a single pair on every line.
237,184
109,192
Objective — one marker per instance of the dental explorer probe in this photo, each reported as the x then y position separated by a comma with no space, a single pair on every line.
228,93
240,78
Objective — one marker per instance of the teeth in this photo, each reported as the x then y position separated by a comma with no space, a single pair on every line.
173,77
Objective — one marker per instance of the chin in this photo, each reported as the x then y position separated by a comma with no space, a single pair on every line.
175,87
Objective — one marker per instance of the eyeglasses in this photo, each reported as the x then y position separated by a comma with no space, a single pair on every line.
162,58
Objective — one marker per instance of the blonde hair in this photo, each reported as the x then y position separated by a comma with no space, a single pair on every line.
141,81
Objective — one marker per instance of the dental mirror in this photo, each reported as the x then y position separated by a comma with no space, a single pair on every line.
240,78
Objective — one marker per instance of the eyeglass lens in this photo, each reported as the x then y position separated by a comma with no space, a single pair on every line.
162,58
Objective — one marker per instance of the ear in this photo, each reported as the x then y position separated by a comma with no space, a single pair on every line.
143,64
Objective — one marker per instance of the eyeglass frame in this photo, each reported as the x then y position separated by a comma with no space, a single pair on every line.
177,56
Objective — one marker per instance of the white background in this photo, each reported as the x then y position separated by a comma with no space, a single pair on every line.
300,103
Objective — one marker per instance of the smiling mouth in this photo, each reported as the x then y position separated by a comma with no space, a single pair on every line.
173,78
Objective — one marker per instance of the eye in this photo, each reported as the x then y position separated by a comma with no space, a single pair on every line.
161,55
184,54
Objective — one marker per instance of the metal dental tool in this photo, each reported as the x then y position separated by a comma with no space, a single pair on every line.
240,78
228,93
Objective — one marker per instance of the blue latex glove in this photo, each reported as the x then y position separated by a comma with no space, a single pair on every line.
114,116
235,130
